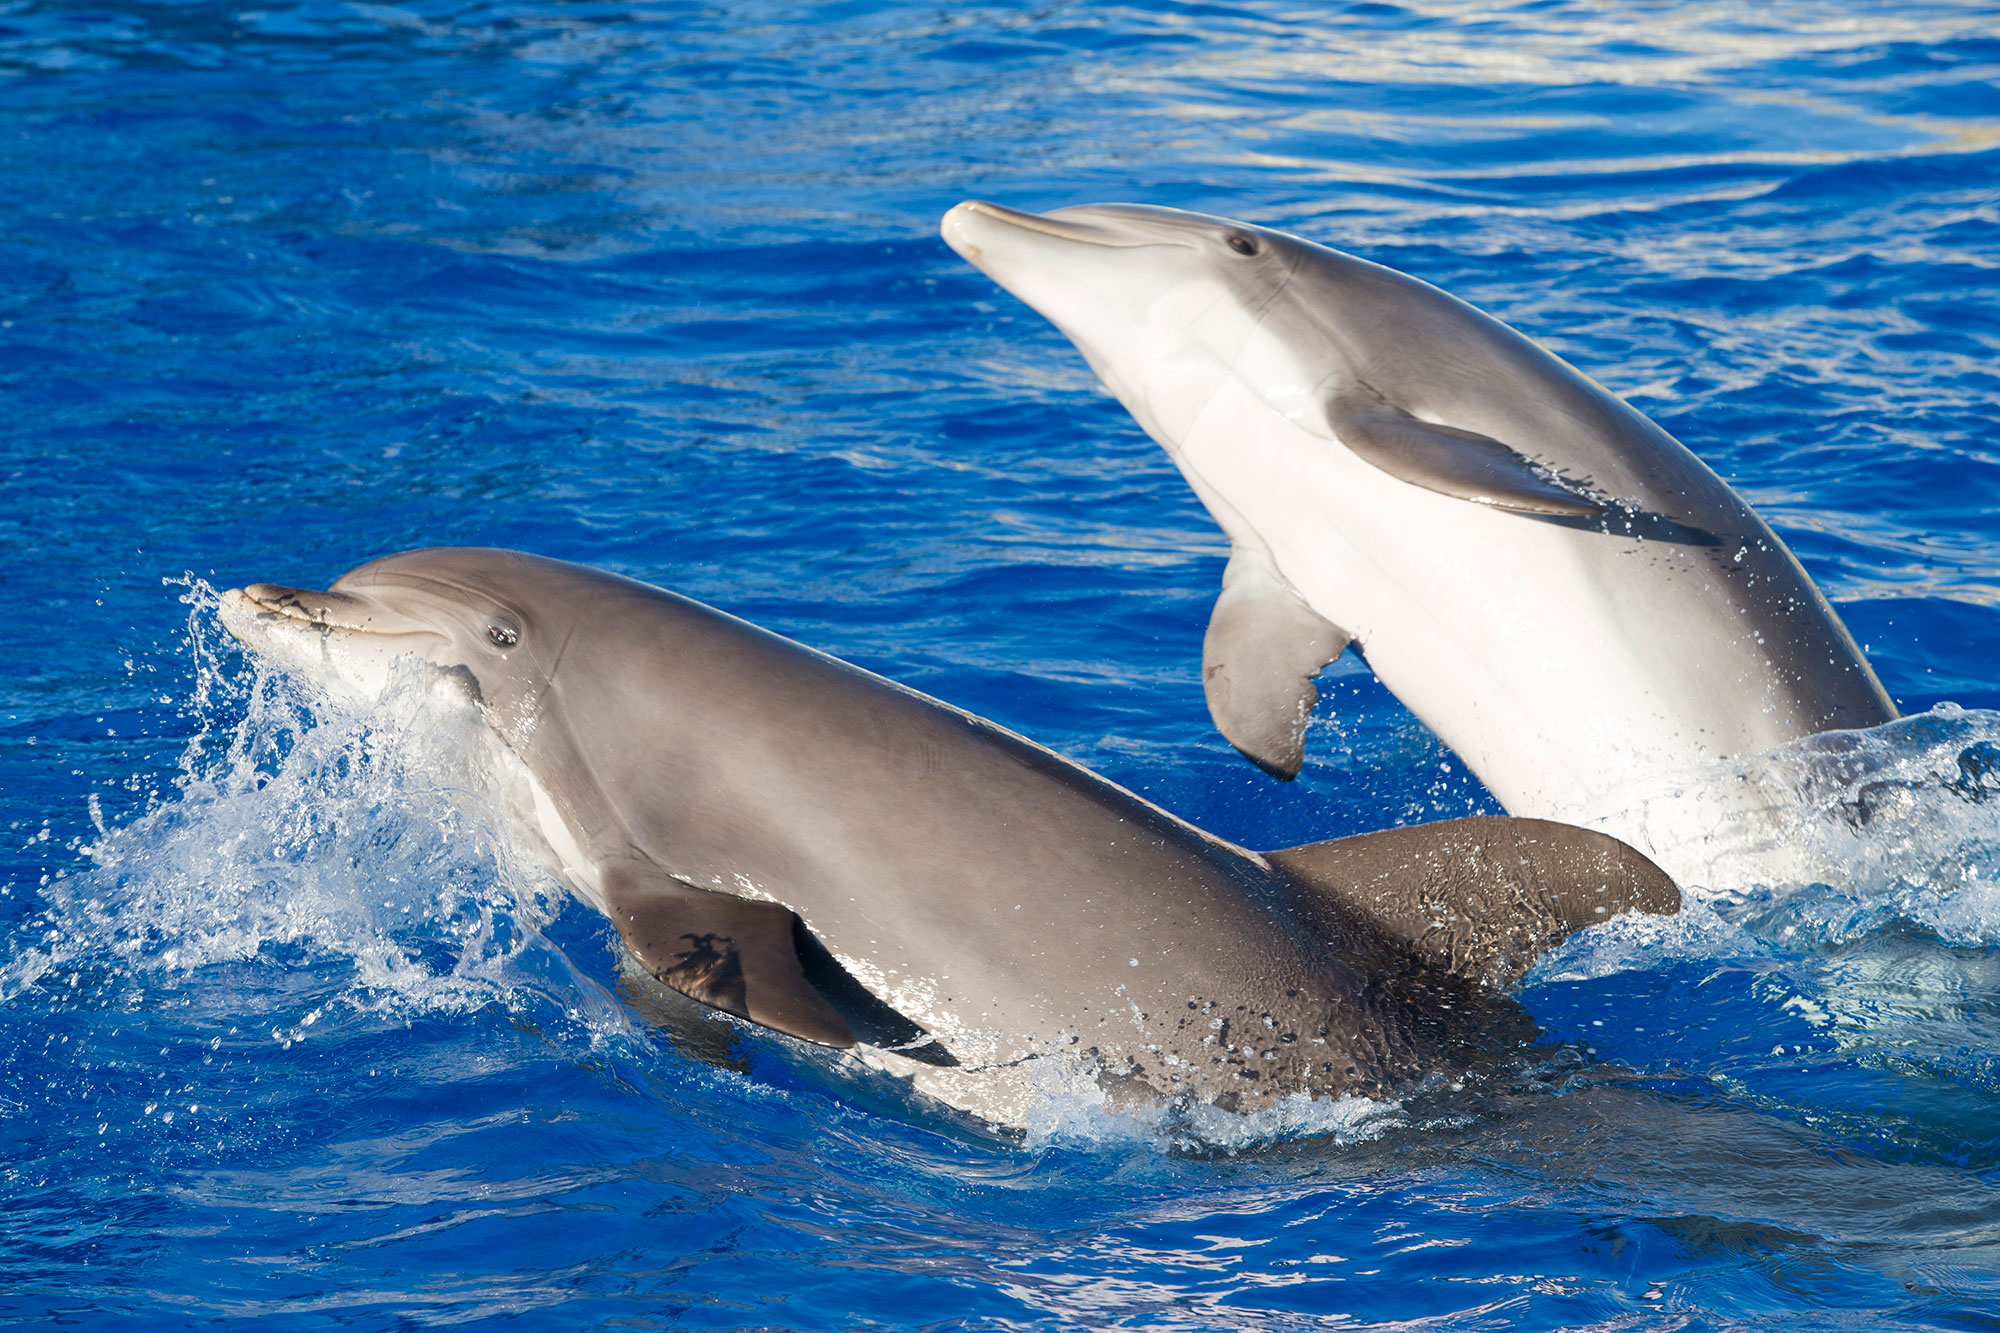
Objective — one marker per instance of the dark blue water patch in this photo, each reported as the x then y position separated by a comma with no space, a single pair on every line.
1944,650
1973,97
1953,327
988,52
1968,171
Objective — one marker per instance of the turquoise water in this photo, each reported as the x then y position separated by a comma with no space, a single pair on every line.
292,1034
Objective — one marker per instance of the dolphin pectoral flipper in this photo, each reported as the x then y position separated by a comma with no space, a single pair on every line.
739,955
1459,463
1263,648
1482,897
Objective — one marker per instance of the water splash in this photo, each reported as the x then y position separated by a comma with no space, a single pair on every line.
1846,889
1072,1108
1900,823
374,846
1846,831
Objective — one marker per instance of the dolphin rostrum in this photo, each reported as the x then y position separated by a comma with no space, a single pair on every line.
805,845
1557,587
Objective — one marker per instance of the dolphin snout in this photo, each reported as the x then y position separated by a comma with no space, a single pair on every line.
326,610
956,229
972,226
307,604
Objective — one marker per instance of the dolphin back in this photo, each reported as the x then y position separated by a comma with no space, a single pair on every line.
1482,898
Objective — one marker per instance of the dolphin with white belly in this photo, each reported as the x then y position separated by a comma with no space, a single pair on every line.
805,845
1558,588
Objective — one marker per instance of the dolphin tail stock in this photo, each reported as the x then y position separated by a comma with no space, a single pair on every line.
1263,648
754,959
1482,897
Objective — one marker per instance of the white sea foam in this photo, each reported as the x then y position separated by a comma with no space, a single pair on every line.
1072,1107
1638,942
1844,832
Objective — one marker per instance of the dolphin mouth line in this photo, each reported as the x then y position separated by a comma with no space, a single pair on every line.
1082,233
278,600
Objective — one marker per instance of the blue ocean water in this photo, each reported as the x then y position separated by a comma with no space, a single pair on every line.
294,1037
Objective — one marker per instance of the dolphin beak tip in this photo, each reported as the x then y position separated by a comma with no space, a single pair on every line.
953,229
236,610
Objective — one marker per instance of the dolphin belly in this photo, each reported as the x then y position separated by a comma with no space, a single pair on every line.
1488,628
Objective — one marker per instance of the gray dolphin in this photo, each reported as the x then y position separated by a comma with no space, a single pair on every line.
810,847
1557,587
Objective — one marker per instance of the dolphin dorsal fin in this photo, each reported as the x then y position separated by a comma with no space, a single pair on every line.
1459,463
1263,648
1482,897
739,955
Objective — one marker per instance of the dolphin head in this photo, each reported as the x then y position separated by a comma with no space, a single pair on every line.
485,620
1167,305
1201,325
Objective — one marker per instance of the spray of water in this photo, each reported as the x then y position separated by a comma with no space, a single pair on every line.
1840,835
303,831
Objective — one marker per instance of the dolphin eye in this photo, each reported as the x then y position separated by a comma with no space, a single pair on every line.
502,636
1243,245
